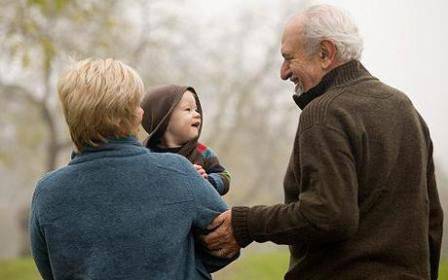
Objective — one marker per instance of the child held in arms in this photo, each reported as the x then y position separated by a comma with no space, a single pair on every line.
173,119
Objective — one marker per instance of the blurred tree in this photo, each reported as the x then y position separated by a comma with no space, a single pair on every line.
36,36
249,117
39,36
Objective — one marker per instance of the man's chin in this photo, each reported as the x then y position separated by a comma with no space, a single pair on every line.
298,90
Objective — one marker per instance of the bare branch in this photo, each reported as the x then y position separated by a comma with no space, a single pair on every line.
13,91
64,145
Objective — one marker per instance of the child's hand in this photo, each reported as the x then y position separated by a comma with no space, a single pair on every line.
201,171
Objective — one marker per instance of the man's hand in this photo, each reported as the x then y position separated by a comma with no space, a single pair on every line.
221,240
201,171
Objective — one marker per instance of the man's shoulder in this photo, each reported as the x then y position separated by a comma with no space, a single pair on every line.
350,102
369,90
365,93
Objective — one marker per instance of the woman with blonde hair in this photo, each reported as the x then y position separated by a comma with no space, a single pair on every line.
117,210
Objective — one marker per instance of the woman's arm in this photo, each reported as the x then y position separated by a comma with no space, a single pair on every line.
38,245
208,205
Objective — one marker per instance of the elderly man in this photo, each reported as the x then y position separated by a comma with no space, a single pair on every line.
360,195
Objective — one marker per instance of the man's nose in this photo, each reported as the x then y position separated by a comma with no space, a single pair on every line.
285,72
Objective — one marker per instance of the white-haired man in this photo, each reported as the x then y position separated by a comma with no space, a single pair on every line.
360,196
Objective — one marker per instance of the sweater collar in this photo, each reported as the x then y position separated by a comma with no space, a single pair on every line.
340,75
113,143
158,149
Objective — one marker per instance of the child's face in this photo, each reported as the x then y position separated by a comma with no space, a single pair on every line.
184,123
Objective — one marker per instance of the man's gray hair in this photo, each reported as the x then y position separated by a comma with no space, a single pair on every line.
326,22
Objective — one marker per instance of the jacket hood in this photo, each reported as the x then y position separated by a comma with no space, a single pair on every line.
158,105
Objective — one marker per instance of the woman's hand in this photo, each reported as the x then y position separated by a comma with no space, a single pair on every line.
201,171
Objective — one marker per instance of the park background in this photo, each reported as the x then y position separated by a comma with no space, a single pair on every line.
230,52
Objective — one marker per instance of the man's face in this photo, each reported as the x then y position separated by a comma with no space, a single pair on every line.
185,120
303,70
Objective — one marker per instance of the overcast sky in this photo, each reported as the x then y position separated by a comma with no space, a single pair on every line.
405,45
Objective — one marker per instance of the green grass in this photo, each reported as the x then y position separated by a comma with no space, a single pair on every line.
253,265
443,270
19,269
256,265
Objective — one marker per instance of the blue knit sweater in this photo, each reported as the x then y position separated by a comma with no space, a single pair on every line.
119,211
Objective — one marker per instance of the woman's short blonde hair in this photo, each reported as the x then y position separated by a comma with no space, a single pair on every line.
100,98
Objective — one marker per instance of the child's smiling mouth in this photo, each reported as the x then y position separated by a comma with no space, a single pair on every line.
196,124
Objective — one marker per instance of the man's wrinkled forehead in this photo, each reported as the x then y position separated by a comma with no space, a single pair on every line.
291,35
294,23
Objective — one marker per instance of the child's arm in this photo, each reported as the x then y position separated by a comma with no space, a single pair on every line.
217,175
220,180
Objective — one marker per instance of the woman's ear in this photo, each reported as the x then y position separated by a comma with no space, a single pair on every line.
140,113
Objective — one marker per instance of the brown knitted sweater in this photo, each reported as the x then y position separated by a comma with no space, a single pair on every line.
360,195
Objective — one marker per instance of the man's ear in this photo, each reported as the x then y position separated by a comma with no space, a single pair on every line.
327,54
